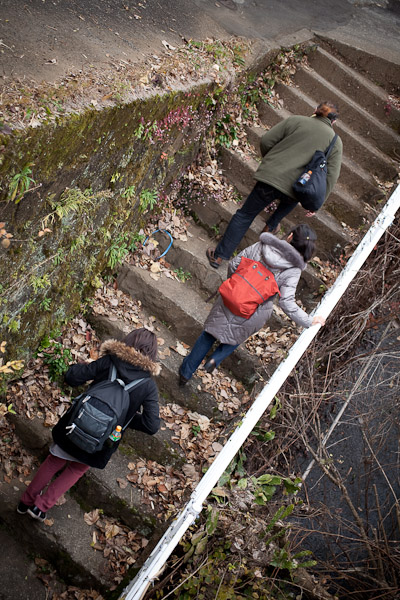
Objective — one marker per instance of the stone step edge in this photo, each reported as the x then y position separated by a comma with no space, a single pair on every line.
367,116
67,536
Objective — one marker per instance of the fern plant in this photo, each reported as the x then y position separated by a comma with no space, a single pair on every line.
147,200
20,184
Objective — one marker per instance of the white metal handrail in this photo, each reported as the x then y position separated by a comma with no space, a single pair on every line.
157,559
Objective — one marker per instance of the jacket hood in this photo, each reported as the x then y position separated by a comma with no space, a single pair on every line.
129,355
279,254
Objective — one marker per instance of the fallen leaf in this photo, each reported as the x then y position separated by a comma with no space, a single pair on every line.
216,446
92,517
180,349
168,45
155,267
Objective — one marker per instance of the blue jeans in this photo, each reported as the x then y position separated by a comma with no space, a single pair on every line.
261,196
202,345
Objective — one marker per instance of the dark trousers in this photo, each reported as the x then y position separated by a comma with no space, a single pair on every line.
202,345
261,196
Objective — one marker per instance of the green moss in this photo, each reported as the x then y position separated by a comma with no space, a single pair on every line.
63,230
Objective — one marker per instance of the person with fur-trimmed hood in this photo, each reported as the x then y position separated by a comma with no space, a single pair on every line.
134,358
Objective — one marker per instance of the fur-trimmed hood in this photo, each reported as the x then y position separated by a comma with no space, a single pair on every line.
279,254
129,355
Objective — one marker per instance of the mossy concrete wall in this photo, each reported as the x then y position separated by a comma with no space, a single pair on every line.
90,171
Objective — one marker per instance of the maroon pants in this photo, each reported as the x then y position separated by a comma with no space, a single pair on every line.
52,465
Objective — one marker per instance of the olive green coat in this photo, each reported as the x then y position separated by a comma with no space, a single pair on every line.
287,147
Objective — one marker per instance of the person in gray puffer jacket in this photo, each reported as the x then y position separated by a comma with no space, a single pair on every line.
286,259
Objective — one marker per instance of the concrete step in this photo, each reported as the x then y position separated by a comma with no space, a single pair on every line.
184,309
340,203
189,396
359,183
356,147
99,487
66,543
367,78
347,209
191,257
331,234
373,129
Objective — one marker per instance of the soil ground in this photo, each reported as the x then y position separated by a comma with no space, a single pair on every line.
47,39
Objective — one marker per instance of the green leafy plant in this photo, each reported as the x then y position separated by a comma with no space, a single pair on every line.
115,176
20,184
147,200
56,357
59,257
39,283
182,275
78,242
196,430
120,248
264,487
128,192
225,131
45,304
263,435
72,200
284,560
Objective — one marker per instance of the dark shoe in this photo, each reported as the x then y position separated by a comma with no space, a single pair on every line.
36,513
182,380
215,261
22,508
210,365
275,230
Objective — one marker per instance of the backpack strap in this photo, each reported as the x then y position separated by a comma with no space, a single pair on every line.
112,376
128,387
133,384
330,147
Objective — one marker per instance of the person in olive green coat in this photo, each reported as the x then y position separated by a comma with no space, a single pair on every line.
286,148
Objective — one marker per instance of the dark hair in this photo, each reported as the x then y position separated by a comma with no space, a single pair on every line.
327,109
142,340
303,240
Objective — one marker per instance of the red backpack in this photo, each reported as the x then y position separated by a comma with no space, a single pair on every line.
249,286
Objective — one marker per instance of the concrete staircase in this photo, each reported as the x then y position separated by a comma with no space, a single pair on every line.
178,310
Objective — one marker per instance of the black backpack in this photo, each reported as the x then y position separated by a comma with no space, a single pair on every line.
95,414
310,188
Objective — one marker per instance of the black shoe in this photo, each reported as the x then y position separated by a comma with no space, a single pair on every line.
182,380
22,508
210,365
36,513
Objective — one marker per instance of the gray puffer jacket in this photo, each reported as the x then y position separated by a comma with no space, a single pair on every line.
286,263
